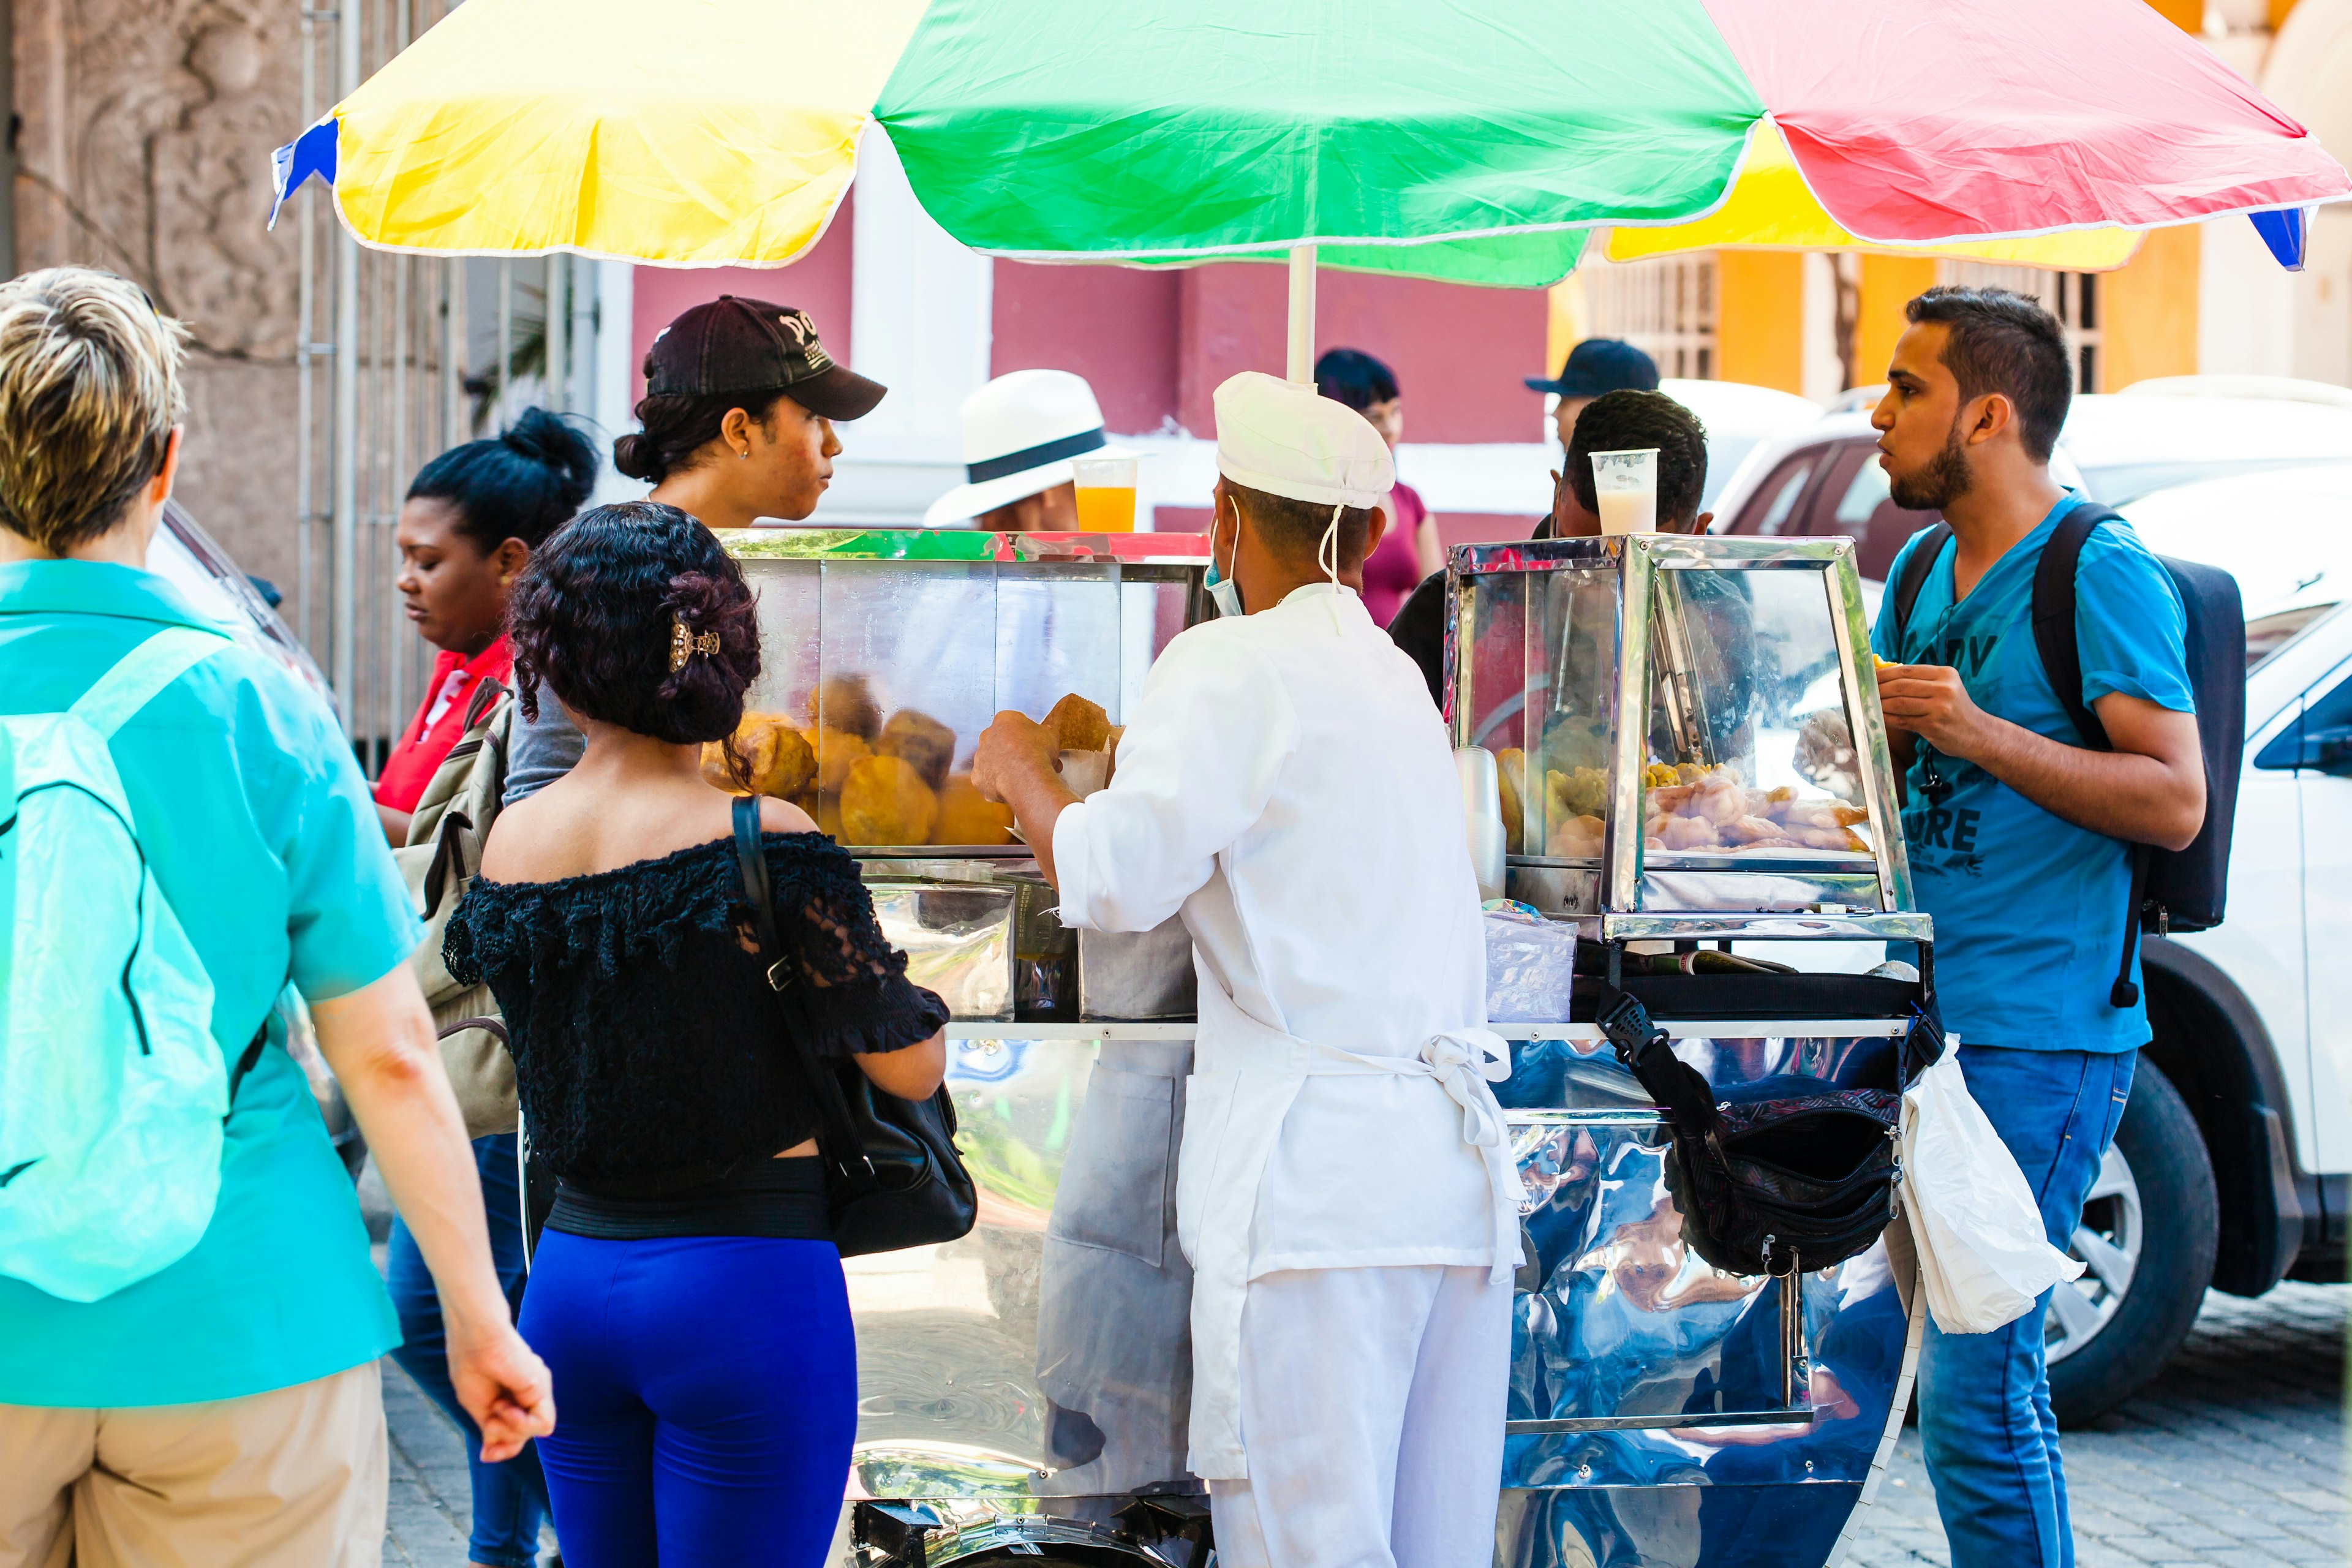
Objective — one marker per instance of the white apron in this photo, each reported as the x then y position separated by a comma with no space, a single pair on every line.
1245,1075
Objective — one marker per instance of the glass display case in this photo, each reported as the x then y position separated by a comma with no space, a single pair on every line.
884,654
1686,729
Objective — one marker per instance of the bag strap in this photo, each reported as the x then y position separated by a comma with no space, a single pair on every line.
2054,634
138,677
2058,639
1666,1077
1922,561
837,1139
487,693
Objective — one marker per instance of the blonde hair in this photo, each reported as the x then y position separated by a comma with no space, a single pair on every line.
90,389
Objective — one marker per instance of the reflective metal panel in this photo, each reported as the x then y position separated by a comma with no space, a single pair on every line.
1046,1355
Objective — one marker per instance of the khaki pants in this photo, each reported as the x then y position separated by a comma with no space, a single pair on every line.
292,1479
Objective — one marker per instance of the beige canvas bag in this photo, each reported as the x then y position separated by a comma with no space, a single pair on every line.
446,834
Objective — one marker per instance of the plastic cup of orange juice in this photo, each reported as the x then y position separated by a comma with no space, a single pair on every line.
1105,494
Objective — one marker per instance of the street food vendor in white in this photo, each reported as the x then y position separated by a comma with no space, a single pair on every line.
1346,1194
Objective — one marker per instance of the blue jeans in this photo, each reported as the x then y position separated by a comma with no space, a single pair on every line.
1984,1399
509,1499
705,1390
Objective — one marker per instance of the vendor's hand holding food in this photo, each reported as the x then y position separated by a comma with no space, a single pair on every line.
1014,751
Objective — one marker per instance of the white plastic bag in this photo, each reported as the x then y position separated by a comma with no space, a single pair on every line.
1983,1253
1530,966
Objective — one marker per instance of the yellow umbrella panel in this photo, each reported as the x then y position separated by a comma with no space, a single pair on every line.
515,127
1771,208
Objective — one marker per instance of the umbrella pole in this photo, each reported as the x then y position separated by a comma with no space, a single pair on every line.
1299,365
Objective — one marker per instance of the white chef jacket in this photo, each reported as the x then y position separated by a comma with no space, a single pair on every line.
1286,784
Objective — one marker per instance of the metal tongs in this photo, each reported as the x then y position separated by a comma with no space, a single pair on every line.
1679,685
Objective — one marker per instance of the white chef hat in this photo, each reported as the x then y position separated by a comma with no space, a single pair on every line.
1287,439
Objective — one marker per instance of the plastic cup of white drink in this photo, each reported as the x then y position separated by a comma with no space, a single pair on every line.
1626,485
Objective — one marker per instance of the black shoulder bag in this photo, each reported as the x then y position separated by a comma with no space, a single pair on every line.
1779,1186
893,1178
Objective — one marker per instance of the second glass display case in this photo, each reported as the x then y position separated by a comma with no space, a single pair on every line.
1750,774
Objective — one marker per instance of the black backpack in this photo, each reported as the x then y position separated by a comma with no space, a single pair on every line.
2172,890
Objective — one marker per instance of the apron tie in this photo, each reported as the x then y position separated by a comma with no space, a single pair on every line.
1464,1061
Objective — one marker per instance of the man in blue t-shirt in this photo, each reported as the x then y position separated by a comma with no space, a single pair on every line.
2020,839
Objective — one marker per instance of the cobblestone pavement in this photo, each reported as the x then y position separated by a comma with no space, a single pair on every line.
2233,1458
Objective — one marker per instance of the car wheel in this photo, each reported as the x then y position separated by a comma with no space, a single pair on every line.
2114,1329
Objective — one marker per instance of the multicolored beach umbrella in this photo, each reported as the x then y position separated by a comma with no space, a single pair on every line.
1478,144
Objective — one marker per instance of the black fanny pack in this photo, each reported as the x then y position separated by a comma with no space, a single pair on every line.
1772,1185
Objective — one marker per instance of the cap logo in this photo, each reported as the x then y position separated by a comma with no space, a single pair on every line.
798,325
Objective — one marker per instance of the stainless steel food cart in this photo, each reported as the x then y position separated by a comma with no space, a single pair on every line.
1025,1390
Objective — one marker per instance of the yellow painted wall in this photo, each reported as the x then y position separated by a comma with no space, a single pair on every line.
1760,318
2149,311
2279,9
2189,14
1887,283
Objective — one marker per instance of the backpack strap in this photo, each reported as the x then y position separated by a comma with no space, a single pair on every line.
2054,634
1928,547
2058,640
141,676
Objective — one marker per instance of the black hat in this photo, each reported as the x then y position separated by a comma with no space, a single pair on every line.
748,345
1601,364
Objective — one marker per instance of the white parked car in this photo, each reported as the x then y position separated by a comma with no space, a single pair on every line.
2233,1165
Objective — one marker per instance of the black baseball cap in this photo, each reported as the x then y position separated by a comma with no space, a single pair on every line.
733,344
1601,364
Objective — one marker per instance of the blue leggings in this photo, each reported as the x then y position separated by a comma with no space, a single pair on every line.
705,1397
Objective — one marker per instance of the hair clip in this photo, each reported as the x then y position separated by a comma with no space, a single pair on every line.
683,644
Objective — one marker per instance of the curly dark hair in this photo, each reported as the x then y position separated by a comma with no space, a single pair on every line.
594,613
1626,421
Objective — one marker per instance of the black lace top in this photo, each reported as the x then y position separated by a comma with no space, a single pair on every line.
649,1053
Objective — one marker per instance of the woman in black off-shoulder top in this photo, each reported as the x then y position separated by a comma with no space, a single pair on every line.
686,1295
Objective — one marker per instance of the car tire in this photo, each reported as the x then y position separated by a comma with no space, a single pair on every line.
2135,1303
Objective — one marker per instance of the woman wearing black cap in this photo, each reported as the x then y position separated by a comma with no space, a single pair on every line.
736,426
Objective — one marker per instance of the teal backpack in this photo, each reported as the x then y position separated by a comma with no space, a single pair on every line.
113,1093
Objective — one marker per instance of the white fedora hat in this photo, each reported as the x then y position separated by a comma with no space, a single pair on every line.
1020,432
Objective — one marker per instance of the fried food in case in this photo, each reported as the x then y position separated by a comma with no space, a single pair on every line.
1080,725
846,703
1690,808
922,741
886,801
765,756
836,753
967,817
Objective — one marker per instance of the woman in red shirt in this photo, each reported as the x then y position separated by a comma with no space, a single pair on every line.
472,518
1410,550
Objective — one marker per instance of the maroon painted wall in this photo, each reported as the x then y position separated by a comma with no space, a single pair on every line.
1117,326
1155,343
817,283
1460,354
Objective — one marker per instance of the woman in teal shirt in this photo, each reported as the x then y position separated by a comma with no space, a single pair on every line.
259,1345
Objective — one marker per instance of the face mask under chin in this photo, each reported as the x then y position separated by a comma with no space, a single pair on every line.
1224,591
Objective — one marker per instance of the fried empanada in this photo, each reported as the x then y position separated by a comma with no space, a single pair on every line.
966,817
922,739
886,801
765,756
1080,725
836,753
846,703
1690,832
